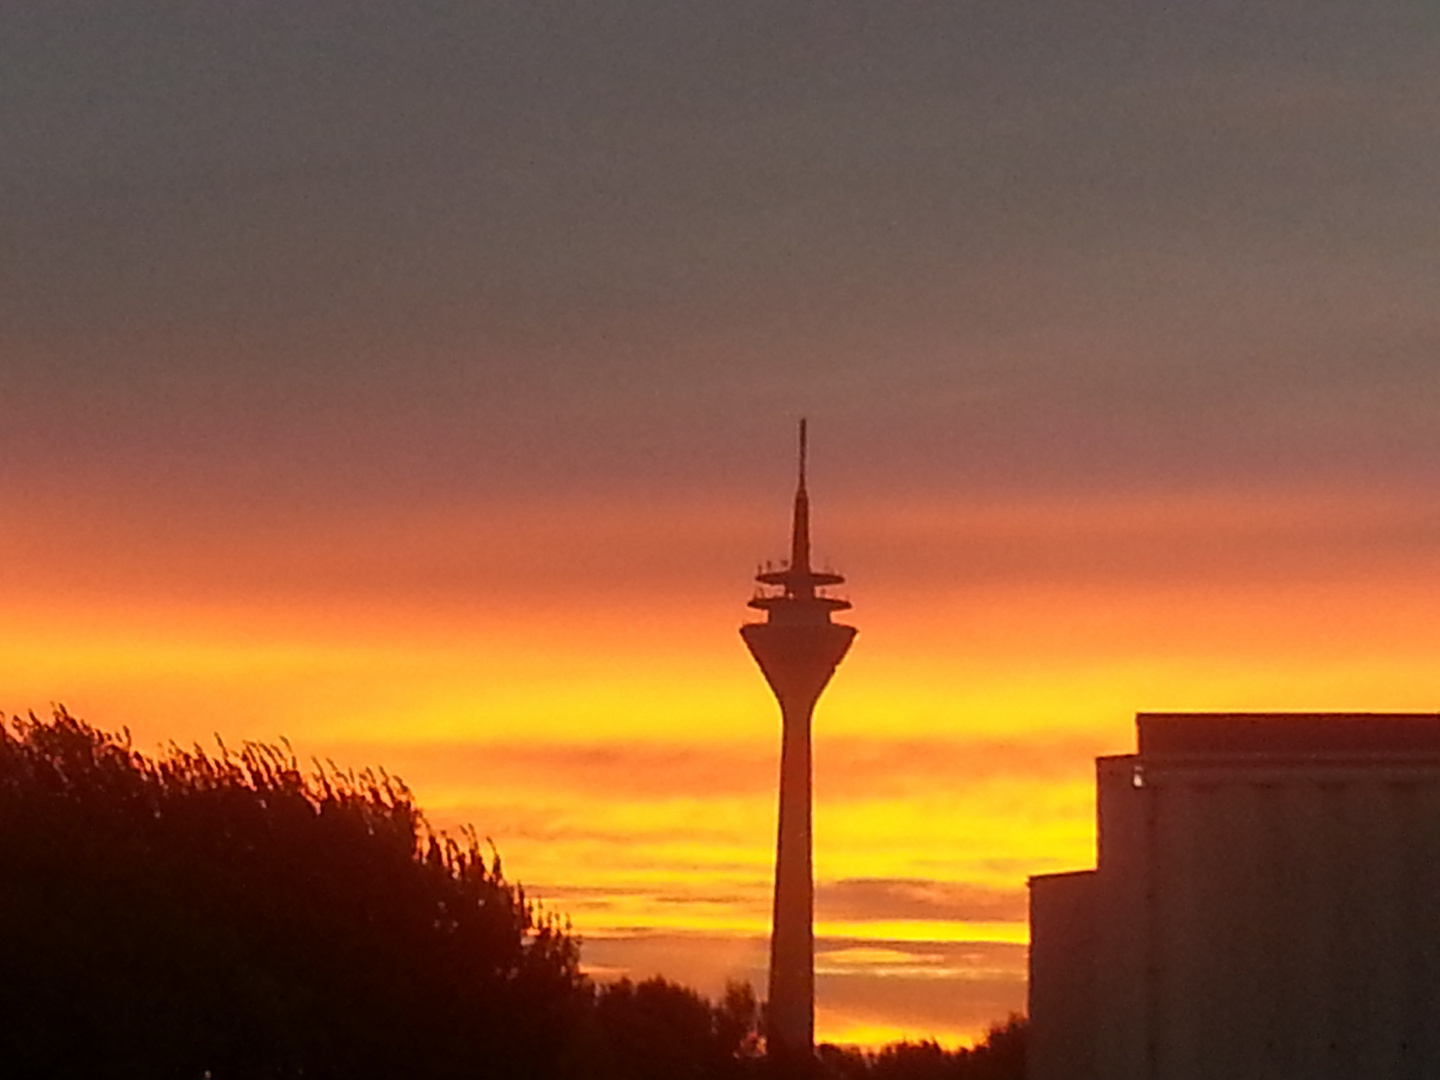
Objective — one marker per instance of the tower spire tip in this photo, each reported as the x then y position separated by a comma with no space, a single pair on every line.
802,452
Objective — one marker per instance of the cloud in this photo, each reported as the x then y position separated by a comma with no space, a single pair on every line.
879,1009
880,991
704,961
1089,247
1225,534
976,960
880,899
658,770
643,574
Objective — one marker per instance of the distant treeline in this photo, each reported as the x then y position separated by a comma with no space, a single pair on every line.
230,915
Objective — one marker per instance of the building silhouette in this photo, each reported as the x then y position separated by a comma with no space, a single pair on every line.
1266,903
798,649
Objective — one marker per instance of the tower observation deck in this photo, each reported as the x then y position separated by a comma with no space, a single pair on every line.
798,648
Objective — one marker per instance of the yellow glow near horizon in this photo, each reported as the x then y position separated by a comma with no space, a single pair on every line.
611,734
843,1031
920,931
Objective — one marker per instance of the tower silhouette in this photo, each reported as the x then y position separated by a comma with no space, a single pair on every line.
798,649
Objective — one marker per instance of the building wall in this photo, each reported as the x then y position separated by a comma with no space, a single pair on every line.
1260,915
1062,976
1293,923
1122,903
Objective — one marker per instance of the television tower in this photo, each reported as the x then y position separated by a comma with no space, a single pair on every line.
798,649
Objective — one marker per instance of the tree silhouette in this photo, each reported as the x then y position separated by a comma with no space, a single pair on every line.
660,1030
233,916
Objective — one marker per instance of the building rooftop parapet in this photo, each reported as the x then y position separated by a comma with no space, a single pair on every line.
1198,738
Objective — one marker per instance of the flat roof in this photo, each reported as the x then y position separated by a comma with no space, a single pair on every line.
1058,876
1288,734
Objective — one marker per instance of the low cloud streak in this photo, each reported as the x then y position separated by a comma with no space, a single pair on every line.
915,898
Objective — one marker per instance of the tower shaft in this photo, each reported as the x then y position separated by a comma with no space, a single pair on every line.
790,1023
797,661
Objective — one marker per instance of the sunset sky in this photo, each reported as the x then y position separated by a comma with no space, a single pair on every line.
418,381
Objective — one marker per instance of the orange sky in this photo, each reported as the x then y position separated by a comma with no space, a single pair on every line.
418,382
572,684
